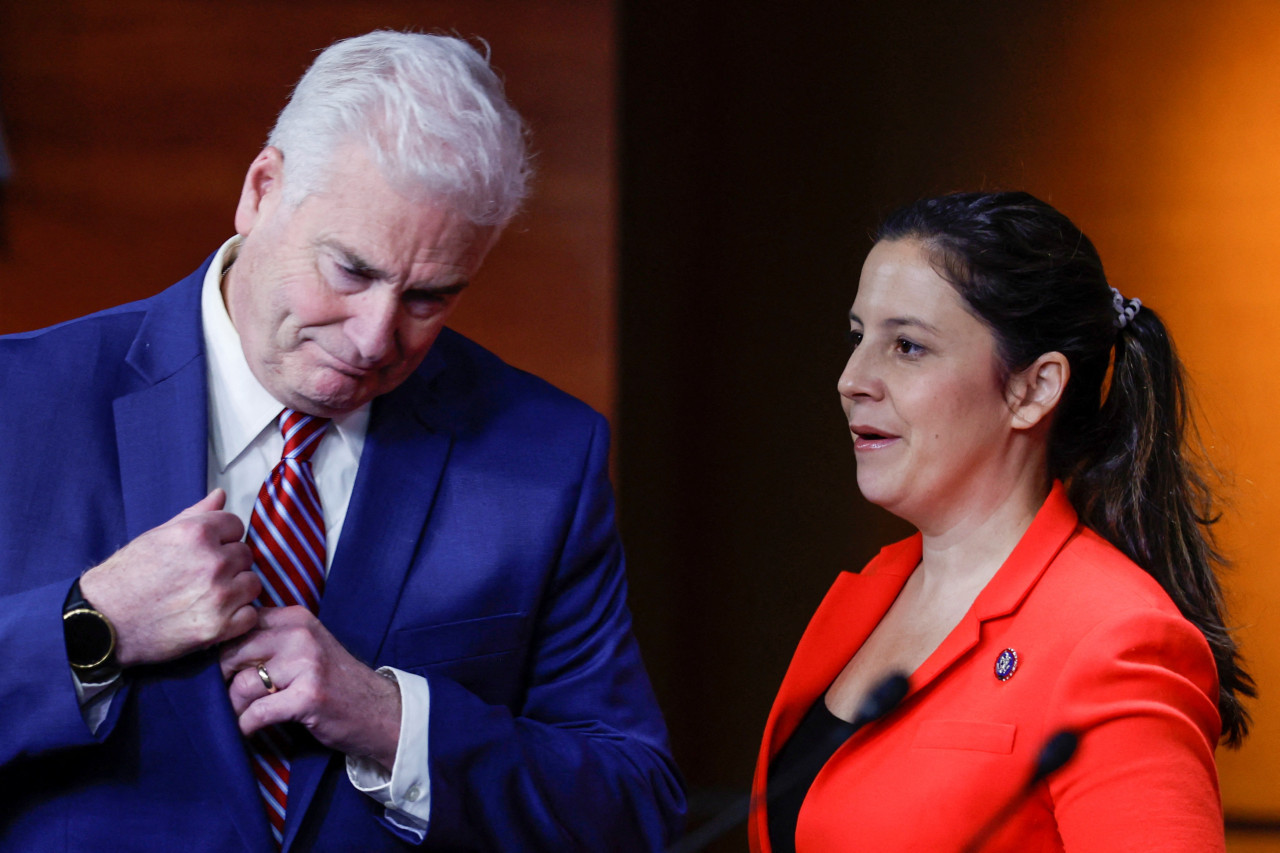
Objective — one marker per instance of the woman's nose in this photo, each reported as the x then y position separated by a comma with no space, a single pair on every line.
859,377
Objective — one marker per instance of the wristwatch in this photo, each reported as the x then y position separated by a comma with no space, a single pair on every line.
91,639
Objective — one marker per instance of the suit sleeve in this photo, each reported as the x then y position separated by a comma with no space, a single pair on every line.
54,524
39,708
1141,690
584,763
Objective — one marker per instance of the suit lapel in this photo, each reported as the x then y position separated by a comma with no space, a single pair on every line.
160,436
162,441
162,426
404,456
405,453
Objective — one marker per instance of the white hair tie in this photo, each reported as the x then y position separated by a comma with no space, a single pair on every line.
1126,309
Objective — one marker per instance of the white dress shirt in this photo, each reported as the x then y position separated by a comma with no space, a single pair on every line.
244,445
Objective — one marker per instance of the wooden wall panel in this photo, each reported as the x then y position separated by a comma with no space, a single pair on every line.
131,123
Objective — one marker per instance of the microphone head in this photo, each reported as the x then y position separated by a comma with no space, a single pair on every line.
1056,752
883,698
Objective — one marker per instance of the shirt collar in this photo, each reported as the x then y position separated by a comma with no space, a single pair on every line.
239,407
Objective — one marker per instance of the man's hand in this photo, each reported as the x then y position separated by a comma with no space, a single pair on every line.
343,703
185,585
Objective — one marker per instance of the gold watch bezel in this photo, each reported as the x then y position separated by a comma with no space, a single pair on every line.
111,631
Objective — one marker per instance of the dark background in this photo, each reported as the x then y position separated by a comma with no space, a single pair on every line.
758,153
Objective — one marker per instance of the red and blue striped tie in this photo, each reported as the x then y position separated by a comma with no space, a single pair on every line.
286,536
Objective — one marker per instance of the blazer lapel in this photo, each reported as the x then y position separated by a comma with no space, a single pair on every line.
162,441
848,614
162,427
400,468
852,608
405,453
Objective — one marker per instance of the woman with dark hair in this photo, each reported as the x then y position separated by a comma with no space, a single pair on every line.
1032,423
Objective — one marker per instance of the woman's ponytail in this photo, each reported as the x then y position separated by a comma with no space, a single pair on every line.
1143,489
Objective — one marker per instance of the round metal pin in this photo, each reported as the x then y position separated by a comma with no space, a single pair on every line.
1006,664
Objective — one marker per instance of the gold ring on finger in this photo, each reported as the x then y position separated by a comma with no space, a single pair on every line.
266,679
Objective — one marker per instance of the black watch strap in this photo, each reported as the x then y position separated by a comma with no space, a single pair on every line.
90,639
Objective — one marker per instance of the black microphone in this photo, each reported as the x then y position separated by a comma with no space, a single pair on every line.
1056,752
882,699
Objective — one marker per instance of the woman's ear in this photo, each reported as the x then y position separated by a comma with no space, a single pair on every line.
1035,391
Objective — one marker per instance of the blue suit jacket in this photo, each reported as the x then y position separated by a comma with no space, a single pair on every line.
479,551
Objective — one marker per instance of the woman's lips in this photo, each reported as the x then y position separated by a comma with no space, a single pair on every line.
866,439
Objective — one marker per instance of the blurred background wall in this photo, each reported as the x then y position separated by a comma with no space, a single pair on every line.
708,176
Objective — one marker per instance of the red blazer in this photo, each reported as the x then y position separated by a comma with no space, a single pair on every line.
1101,649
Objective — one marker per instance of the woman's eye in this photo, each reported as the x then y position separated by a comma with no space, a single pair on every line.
906,347
855,338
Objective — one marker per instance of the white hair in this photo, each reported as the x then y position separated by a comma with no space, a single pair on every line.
430,112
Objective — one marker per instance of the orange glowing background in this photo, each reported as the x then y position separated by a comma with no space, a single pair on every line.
1169,157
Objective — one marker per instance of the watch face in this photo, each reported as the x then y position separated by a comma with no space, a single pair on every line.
89,639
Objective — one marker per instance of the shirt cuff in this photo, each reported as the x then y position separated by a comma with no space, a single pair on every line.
95,699
405,793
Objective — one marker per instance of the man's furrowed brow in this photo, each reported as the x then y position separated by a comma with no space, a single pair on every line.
359,265
443,289
352,260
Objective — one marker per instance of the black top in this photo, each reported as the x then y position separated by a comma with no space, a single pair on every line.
795,767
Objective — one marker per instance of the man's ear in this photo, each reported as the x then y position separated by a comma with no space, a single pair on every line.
263,184
1034,393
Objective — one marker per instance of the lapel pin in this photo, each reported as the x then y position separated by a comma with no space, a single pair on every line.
1006,664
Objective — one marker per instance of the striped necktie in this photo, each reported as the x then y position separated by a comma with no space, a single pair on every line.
287,538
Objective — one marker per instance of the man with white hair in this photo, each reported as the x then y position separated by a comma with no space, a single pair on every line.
352,582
